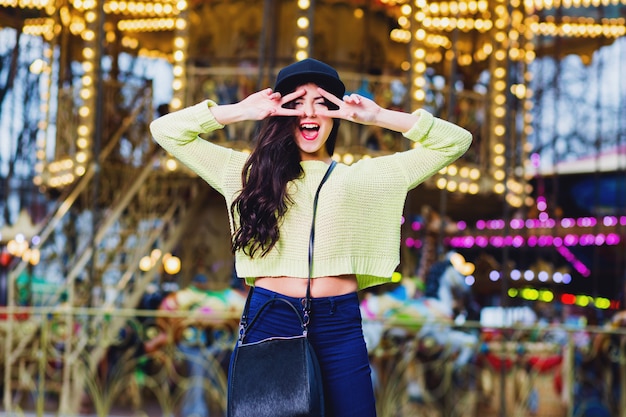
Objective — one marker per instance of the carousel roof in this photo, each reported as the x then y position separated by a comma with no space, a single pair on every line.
467,27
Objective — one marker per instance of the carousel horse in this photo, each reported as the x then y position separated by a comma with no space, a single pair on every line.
426,320
436,309
447,292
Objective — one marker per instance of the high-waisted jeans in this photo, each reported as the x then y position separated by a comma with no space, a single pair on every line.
336,334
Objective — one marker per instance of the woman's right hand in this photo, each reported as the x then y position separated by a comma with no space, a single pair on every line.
257,106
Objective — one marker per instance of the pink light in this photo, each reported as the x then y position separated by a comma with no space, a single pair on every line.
612,239
544,241
495,224
586,240
535,158
586,222
518,241
416,225
568,222
543,217
582,269
461,225
578,265
600,239
480,224
517,224
541,205
570,240
609,221
409,242
622,220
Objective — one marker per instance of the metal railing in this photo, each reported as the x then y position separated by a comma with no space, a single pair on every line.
153,359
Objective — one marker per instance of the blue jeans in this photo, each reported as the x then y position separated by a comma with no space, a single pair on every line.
336,334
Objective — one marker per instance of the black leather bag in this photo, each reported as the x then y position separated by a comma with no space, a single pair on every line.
278,376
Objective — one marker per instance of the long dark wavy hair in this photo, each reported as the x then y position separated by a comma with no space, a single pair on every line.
263,200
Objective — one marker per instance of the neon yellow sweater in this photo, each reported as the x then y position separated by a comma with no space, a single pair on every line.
360,206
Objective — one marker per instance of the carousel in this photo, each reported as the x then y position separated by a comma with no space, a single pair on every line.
98,245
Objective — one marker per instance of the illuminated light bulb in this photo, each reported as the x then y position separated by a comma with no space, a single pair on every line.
302,22
302,42
145,264
494,275
81,157
82,143
171,265
84,111
181,24
176,103
179,42
171,164
419,95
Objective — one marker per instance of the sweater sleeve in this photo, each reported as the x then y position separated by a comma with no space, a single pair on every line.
178,133
438,143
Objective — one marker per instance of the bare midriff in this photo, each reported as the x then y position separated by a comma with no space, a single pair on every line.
320,286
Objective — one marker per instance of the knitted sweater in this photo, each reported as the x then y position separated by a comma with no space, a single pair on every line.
360,206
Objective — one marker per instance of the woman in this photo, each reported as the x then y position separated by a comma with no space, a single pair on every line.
270,195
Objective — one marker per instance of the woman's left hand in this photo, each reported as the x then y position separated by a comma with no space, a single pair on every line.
353,107
359,109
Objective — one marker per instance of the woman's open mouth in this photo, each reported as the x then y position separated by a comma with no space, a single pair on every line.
309,130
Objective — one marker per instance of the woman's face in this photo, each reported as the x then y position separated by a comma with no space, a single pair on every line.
312,130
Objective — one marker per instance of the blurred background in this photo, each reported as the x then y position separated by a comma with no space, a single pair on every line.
115,259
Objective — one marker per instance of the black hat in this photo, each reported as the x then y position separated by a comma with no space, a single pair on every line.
309,71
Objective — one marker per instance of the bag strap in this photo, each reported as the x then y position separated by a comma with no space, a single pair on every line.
243,323
307,300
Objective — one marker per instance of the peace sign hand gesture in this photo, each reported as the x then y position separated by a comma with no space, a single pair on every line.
257,106
359,109
353,107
